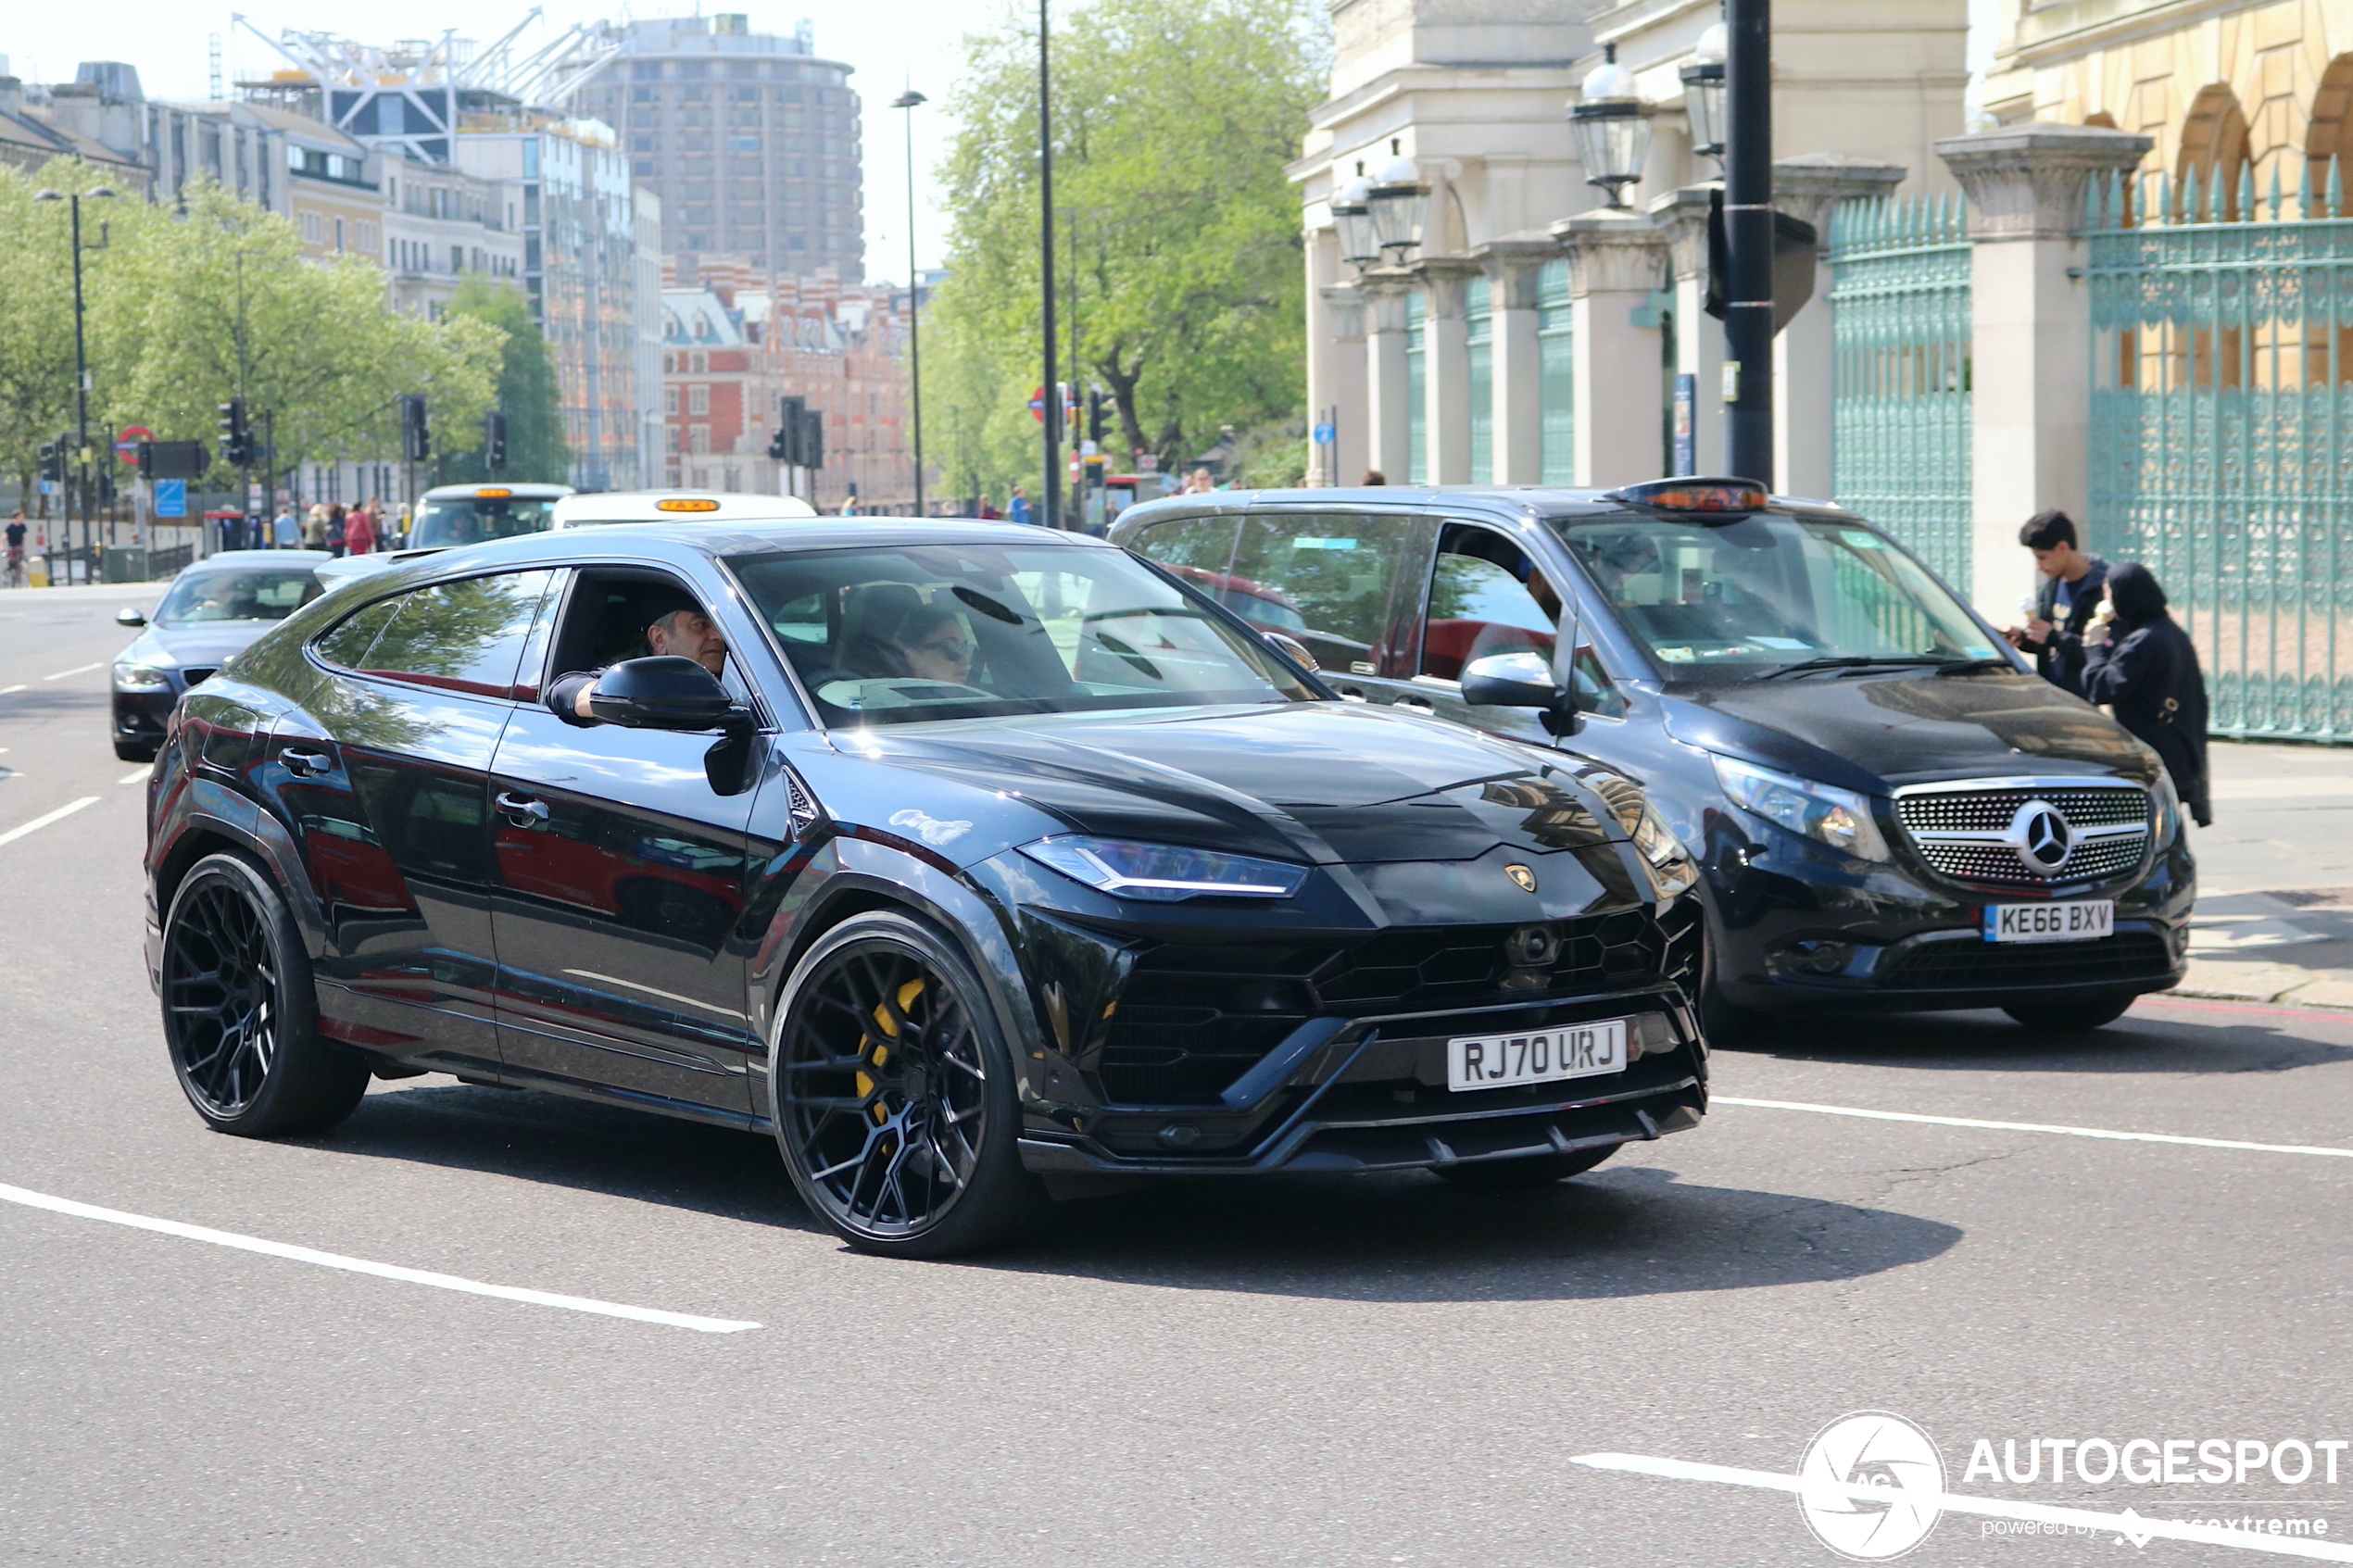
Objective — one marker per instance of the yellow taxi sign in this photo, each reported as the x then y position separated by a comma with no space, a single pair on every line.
494,493
685,506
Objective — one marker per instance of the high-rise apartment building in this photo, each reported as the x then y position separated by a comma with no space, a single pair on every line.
751,141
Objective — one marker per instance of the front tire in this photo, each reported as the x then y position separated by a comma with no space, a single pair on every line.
240,1012
2068,1017
135,750
1530,1171
895,1109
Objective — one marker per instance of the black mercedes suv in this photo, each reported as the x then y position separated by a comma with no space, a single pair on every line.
1891,811
970,860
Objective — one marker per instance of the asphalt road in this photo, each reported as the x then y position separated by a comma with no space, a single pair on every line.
1296,1371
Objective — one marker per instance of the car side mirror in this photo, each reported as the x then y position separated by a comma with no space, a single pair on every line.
129,617
1289,648
1521,680
664,693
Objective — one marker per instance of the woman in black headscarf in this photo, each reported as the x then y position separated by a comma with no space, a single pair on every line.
2147,673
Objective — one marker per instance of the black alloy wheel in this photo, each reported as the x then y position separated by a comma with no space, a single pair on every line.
240,1015
894,1096
1528,1171
2066,1017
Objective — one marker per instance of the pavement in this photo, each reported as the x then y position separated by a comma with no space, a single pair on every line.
2275,877
475,1326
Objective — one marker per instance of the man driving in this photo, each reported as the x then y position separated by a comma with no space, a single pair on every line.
684,633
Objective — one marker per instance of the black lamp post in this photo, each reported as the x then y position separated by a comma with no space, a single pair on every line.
81,378
1352,219
909,100
1397,204
1049,396
1748,238
1612,127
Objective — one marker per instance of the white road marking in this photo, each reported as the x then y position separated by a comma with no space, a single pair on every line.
364,1266
5,690
142,776
2129,1523
42,822
2033,1128
77,670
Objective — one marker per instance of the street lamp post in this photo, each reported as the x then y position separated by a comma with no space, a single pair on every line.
1703,92
1397,203
81,378
1612,128
1353,221
909,100
1748,236
1050,494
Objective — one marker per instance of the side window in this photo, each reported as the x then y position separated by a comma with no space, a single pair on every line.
347,646
606,614
463,636
1487,596
1333,581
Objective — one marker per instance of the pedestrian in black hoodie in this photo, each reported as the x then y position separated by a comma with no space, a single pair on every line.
2146,671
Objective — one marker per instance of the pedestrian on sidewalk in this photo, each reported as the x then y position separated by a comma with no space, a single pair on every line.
334,529
2072,584
16,549
1017,509
360,530
285,532
314,527
2141,666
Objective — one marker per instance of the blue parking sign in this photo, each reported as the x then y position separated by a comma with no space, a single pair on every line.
1324,434
171,497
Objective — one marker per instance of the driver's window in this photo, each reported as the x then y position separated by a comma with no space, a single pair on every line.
1486,597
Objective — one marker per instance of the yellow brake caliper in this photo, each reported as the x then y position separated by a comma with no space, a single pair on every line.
872,1051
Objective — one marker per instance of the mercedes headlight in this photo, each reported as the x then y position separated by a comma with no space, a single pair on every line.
129,677
1836,817
2168,809
1162,872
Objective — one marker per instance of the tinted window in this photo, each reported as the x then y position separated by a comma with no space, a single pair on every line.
951,631
348,644
1487,596
258,593
469,522
464,636
1331,580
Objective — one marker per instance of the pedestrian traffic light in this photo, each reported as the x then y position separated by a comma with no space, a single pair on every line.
1098,414
53,462
812,438
493,440
416,428
237,435
785,445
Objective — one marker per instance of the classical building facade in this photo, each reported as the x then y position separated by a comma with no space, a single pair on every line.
1534,334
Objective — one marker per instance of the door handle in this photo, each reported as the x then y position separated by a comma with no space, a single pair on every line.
523,810
307,764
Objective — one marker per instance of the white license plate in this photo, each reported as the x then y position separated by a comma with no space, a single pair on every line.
1541,1056
2085,920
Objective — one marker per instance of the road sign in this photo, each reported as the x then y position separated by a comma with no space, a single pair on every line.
1037,405
126,445
1325,433
171,497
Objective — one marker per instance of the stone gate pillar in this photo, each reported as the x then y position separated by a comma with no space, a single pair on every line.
1615,260
1446,422
1387,422
1809,188
2031,406
1514,266
1681,217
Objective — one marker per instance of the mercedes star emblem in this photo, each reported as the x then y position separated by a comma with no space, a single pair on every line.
2041,836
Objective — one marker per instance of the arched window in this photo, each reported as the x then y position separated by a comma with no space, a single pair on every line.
2328,136
2214,147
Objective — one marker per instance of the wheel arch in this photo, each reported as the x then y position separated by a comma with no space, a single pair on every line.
203,828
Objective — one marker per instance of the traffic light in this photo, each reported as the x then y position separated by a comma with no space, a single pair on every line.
53,462
1098,414
416,428
493,440
237,435
174,459
812,438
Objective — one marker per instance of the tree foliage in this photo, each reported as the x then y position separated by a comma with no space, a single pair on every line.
187,307
1177,237
526,393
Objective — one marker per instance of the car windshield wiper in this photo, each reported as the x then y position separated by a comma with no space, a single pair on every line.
1845,661
1973,666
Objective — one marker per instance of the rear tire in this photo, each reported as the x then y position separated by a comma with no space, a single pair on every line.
135,750
1728,1023
2066,1017
241,1013
1531,1171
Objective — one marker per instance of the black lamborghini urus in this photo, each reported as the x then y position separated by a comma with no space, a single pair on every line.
973,862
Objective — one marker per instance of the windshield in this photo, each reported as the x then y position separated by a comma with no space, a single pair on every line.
259,593
920,632
1735,601
467,521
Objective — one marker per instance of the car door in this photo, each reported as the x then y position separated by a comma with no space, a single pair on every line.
621,878
1486,596
383,776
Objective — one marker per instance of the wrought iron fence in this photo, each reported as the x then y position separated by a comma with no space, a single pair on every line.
2222,442
1900,379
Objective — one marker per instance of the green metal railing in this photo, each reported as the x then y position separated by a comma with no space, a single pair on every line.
1900,376
2221,444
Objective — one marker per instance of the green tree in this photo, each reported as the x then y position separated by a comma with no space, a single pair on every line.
36,309
1179,231
527,393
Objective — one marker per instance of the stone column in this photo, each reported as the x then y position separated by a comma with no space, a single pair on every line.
1343,388
1809,188
2032,406
1681,217
1446,367
1615,260
1388,426
1513,264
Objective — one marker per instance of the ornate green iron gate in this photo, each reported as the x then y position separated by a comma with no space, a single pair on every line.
1900,382
2222,452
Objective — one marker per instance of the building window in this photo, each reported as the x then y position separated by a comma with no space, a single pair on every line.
1556,376
669,396
338,235
699,398
698,440
311,231
1478,320
1417,383
698,363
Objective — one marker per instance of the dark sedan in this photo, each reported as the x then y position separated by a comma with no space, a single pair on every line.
972,862
214,609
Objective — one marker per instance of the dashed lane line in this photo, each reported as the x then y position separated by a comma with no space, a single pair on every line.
2129,1525
364,1266
142,776
77,670
6,690
39,823
2033,1127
